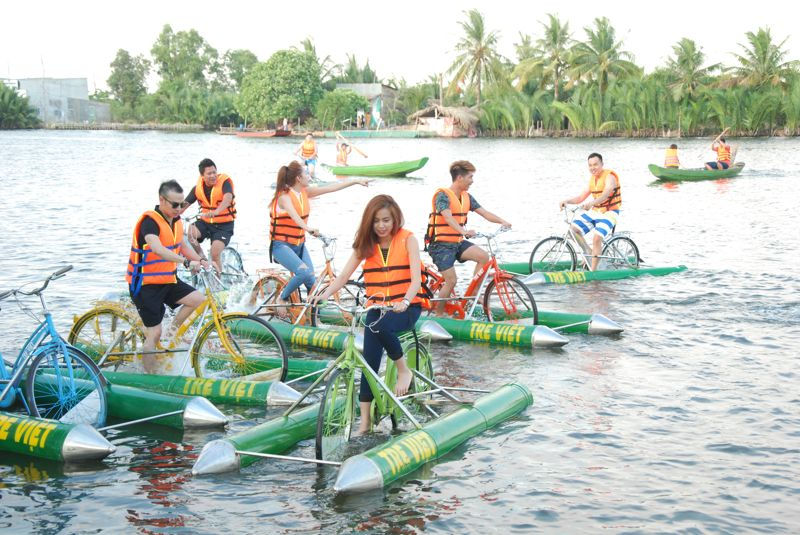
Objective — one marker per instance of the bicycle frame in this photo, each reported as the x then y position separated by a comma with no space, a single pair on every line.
351,358
571,235
455,306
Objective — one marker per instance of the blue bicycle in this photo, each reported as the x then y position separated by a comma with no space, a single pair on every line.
61,383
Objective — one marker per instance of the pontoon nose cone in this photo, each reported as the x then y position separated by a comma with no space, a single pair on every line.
84,443
534,278
359,342
436,332
217,456
200,412
358,474
546,337
600,324
281,394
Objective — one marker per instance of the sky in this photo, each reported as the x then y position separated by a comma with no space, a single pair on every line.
411,39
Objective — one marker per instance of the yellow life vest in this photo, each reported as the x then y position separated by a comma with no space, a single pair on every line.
671,159
724,153
308,149
598,184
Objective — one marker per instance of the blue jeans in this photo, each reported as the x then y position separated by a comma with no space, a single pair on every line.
296,259
383,335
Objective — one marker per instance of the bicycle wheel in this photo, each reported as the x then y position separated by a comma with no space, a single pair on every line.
337,412
620,252
232,267
97,329
510,300
65,385
267,290
553,254
244,347
350,296
417,358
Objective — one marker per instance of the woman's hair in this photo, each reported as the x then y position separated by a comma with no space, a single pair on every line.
366,239
287,177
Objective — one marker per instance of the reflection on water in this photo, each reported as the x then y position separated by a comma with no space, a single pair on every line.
687,421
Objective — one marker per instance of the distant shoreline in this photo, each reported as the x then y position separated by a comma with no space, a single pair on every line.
406,133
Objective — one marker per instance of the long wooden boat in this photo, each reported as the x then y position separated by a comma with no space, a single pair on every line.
264,133
664,173
386,169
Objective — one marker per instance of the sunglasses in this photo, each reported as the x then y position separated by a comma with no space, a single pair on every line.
176,205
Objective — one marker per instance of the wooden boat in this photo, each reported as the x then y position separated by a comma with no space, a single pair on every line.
664,173
264,133
386,169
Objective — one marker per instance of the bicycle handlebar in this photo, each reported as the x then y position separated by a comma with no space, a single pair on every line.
492,235
358,309
56,275
326,240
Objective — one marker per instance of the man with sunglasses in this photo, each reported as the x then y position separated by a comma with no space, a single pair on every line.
153,265
214,193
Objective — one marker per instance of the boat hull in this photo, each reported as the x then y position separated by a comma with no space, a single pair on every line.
691,175
388,169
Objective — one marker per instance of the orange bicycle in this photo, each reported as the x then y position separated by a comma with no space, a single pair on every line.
300,312
504,296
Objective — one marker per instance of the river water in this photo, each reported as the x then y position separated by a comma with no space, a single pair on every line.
689,421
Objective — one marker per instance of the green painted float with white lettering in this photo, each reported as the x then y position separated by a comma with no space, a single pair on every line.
51,439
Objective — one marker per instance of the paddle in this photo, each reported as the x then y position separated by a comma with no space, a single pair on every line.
340,136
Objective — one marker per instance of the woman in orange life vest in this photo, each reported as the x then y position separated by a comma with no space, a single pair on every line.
391,264
308,154
671,157
723,151
152,267
289,212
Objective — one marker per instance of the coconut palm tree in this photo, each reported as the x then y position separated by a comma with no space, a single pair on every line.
549,62
762,61
686,69
478,59
600,58
327,66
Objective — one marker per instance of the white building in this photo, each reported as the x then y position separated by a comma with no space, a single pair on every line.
61,100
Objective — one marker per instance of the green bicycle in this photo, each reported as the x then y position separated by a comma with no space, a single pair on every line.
339,400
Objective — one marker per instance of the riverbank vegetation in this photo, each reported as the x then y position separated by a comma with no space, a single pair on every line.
561,82
15,110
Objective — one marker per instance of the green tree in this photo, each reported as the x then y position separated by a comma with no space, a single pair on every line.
600,58
15,111
549,60
287,85
186,57
337,106
478,60
763,61
128,77
237,63
328,68
687,70
353,73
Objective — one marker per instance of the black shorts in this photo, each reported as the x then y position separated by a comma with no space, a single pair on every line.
152,297
215,231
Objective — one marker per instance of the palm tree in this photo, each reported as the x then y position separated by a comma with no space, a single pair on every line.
762,62
478,59
600,58
550,59
328,68
686,69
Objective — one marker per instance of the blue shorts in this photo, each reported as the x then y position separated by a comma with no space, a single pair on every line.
719,165
603,223
445,254
312,161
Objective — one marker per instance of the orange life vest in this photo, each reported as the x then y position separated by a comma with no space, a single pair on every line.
145,266
208,205
724,153
438,228
671,159
598,185
387,281
308,149
283,227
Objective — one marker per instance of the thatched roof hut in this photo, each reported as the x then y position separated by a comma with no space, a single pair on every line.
463,116
446,121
